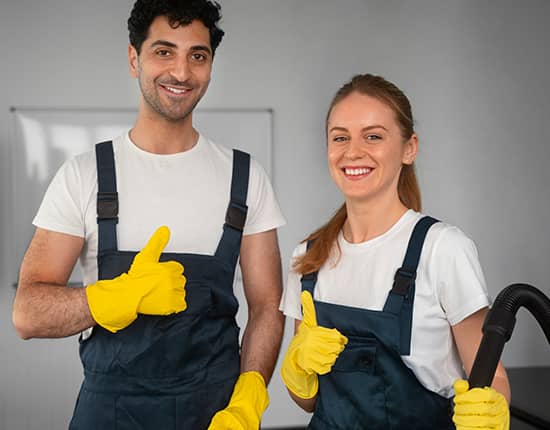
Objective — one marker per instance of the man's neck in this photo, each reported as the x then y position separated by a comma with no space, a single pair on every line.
163,137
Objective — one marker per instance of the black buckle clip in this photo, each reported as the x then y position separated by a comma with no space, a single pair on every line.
309,276
402,281
235,216
107,205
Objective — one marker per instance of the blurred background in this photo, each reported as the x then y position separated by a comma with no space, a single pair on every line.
476,72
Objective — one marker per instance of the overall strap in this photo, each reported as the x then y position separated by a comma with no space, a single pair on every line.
235,216
107,198
308,280
401,297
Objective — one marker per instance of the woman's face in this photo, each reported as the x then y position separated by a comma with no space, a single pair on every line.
366,149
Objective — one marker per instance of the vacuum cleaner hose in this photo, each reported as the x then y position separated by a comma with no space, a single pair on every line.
499,324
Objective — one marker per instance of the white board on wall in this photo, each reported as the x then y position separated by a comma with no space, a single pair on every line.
44,138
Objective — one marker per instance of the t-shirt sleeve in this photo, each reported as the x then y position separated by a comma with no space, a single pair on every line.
460,281
290,301
60,209
264,212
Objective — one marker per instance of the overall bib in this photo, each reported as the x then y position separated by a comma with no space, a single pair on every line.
369,386
165,372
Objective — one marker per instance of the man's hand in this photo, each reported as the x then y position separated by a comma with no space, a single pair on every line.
149,287
479,408
246,407
312,352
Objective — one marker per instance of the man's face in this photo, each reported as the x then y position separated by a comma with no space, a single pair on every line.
173,68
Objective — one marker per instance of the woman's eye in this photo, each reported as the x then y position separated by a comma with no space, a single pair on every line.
339,138
373,137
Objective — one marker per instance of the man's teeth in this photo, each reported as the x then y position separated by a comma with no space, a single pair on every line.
355,172
175,90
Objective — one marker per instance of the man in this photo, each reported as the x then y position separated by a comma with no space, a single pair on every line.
163,350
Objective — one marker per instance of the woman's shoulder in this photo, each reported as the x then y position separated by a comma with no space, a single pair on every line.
449,233
448,240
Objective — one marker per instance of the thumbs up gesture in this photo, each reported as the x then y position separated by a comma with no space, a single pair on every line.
149,287
166,282
312,352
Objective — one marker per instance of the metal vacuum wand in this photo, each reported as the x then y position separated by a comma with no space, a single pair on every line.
499,324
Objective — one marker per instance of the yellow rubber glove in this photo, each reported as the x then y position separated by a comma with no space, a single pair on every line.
311,352
479,408
149,287
246,407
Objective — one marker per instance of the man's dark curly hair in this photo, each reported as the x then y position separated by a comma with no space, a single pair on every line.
178,12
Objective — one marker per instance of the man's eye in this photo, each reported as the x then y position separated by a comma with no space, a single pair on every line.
163,52
199,57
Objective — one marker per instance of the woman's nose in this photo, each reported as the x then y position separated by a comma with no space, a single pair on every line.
354,149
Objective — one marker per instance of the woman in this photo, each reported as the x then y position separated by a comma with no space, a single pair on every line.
393,301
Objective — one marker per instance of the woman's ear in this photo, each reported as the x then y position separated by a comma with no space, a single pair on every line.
411,149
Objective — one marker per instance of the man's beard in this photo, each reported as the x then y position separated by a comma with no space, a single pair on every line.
179,111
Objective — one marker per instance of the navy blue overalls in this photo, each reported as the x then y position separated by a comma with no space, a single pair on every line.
369,386
165,372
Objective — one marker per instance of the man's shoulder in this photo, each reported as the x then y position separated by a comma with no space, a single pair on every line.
80,163
222,155
84,164
216,149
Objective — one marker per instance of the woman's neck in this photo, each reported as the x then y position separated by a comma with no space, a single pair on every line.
366,221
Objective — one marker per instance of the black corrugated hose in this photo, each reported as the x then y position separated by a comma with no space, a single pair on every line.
499,324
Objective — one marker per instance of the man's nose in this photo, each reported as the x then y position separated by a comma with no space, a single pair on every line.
181,70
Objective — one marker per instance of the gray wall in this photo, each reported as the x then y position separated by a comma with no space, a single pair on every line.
475,70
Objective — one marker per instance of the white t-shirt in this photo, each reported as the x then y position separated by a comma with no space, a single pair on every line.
188,192
449,287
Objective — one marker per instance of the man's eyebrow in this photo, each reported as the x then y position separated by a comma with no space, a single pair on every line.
164,43
168,44
201,48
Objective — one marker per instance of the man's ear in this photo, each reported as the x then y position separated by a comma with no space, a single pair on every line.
133,58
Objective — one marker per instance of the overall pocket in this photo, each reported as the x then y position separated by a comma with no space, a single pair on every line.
359,355
352,395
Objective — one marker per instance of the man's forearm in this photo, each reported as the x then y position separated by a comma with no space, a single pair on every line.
262,341
50,311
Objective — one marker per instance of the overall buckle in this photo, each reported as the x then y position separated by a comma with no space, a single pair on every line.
107,205
235,216
403,280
